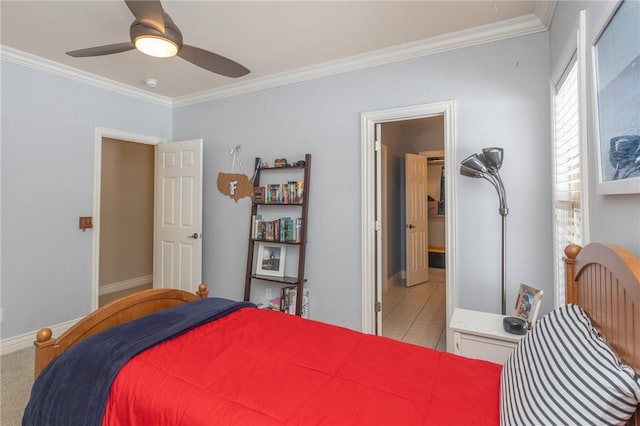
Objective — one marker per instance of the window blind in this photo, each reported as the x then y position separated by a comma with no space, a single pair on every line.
568,208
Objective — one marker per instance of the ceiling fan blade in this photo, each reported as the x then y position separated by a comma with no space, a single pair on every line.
212,62
148,12
102,50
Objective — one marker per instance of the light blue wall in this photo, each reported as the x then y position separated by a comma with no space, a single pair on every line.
48,122
502,98
613,218
48,127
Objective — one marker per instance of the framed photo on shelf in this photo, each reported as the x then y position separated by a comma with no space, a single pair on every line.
271,257
258,194
616,52
527,303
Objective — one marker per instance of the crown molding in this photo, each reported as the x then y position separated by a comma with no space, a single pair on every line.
544,10
516,27
55,68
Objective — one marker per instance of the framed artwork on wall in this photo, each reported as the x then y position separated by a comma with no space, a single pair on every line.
616,77
271,259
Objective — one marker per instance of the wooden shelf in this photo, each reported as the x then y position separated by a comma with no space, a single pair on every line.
291,243
259,208
280,204
283,280
283,167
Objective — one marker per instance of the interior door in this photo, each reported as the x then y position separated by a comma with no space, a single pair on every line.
417,263
178,222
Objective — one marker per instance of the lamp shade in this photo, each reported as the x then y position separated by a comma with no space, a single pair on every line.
475,163
469,172
493,157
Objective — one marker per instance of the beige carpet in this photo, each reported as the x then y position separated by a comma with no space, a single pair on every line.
17,378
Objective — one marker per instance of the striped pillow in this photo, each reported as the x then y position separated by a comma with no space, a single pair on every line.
563,373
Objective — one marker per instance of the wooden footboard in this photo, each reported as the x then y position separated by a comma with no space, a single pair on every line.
604,279
118,312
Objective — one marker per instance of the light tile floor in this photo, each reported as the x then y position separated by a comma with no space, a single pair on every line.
417,314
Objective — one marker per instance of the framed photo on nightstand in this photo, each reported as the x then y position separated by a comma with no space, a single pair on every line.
527,303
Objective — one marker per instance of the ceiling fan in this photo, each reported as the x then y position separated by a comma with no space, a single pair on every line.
154,33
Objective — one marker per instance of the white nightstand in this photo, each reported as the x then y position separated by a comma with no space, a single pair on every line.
480,335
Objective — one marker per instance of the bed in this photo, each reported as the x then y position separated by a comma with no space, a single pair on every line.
230,363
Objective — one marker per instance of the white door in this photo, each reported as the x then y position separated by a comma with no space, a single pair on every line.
417,264
178,223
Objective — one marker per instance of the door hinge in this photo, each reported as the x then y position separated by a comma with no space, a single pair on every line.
377,225
377,146
378,307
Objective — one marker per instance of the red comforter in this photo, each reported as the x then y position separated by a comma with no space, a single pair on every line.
257,367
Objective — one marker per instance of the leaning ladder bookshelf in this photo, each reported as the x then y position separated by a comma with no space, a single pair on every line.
260,206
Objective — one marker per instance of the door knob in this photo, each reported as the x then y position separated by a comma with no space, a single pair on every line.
194,236
410,226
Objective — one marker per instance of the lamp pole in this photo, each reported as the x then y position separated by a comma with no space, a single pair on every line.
486,165
504,264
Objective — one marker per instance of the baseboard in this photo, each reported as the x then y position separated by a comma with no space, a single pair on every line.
124,285
26,340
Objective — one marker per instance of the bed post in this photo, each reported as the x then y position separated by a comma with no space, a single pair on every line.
203,291
44,349
571,253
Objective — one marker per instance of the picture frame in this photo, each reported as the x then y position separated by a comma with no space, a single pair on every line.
258,196
616,95
527,303
271,259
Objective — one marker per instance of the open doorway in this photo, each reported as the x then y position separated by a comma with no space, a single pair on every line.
126,219
123,214
371,208
413,240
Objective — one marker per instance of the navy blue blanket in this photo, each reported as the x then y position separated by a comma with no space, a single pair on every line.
74,388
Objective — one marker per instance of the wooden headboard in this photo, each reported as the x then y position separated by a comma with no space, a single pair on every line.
130,307
604,279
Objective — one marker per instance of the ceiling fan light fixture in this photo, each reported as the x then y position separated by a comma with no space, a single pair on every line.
159,47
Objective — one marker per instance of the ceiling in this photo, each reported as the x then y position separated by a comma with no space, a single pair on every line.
271,38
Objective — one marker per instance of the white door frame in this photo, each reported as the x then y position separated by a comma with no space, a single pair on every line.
102,132
371,270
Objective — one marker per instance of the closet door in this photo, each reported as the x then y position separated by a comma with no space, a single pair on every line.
416,222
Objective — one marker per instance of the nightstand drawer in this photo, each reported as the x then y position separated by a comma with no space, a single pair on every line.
483,348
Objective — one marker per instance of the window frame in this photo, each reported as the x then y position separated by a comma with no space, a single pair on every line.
575,49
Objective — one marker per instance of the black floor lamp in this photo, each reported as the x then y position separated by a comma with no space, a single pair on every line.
486,165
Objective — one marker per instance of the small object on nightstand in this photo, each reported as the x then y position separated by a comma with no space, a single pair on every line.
515,325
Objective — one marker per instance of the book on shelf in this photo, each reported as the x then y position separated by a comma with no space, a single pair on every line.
288,297
298,229
304,313
291,192
288,300
284,229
